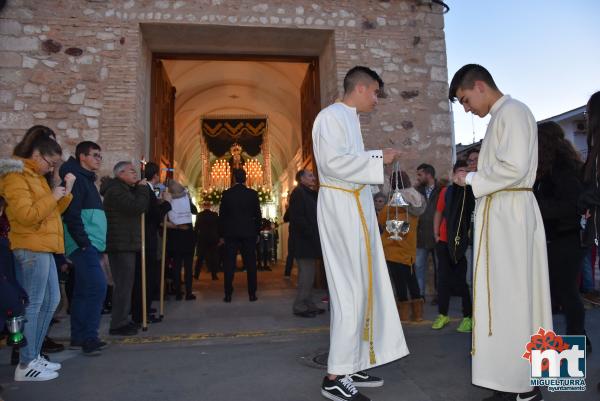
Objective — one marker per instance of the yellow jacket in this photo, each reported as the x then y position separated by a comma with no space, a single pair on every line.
32,211
404,251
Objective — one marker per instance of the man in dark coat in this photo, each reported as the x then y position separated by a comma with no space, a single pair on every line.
428,187
125,199
239,225
85,239
307,246
207,237
155,213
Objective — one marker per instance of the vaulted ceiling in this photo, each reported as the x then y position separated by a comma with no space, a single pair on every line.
206,87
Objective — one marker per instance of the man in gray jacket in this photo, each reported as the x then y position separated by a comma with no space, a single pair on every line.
125,200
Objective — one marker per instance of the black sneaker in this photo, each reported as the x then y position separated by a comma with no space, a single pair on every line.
362,379
533,395
91,348
341,389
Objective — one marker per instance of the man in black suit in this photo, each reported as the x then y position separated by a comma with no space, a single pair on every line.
239,225
155,213
207,240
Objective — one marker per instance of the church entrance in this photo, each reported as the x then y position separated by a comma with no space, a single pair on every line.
211,113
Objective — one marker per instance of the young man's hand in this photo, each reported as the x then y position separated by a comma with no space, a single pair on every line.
69,181
390,155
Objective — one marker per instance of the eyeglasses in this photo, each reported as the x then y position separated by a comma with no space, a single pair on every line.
96,156
50,165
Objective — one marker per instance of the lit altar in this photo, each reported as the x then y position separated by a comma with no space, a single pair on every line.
234,142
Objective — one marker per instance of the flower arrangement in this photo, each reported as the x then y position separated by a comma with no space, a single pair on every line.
264,195
212,195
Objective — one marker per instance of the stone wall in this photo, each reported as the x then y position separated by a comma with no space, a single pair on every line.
82,66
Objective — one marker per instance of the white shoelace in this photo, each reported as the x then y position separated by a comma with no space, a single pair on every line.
348,384
44,363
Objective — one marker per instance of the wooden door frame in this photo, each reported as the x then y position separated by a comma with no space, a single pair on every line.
157,56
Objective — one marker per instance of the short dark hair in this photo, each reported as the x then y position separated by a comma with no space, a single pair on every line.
465,79
459,164
299,175
239,175
360,74
379,195
83,148
427,168
150,170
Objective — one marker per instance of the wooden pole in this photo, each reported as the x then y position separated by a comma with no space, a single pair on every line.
144,309
162,268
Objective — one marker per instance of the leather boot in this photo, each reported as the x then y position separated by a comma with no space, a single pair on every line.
417,310
404,309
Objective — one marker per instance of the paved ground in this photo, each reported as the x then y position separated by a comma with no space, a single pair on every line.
209,350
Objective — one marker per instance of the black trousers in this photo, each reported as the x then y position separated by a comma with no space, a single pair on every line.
207,252
247,247
403,277
152,284
452,279
185,260
564,265
289,262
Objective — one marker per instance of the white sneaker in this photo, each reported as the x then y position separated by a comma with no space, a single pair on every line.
44,363
33,372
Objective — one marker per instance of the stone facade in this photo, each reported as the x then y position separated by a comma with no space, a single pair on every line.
82,67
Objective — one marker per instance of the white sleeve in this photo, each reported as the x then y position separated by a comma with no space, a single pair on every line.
335,159
469,178
516,133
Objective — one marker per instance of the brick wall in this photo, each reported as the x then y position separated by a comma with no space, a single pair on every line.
82,67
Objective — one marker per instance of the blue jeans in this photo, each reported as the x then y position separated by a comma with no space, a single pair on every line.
88,295
421,267
36,273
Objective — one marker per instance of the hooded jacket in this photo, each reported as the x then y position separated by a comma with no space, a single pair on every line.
32,211
84,220
123,205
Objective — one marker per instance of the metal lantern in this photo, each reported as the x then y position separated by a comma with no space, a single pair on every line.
396,226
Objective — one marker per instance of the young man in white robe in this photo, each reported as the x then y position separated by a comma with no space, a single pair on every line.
365,326
511,298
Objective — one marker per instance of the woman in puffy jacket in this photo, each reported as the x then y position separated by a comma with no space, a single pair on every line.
33,211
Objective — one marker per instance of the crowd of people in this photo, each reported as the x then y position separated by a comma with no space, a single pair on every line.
58,226
56,222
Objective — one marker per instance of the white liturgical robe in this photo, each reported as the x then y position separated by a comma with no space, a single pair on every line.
342,162
518,267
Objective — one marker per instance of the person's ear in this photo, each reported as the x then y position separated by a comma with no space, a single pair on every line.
479,86
360,88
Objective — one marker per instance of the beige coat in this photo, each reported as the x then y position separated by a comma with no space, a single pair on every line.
518,266
343,163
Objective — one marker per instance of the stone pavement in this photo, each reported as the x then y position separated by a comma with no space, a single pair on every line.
206,350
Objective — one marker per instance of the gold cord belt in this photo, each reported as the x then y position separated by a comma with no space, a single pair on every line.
485,227
368,329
